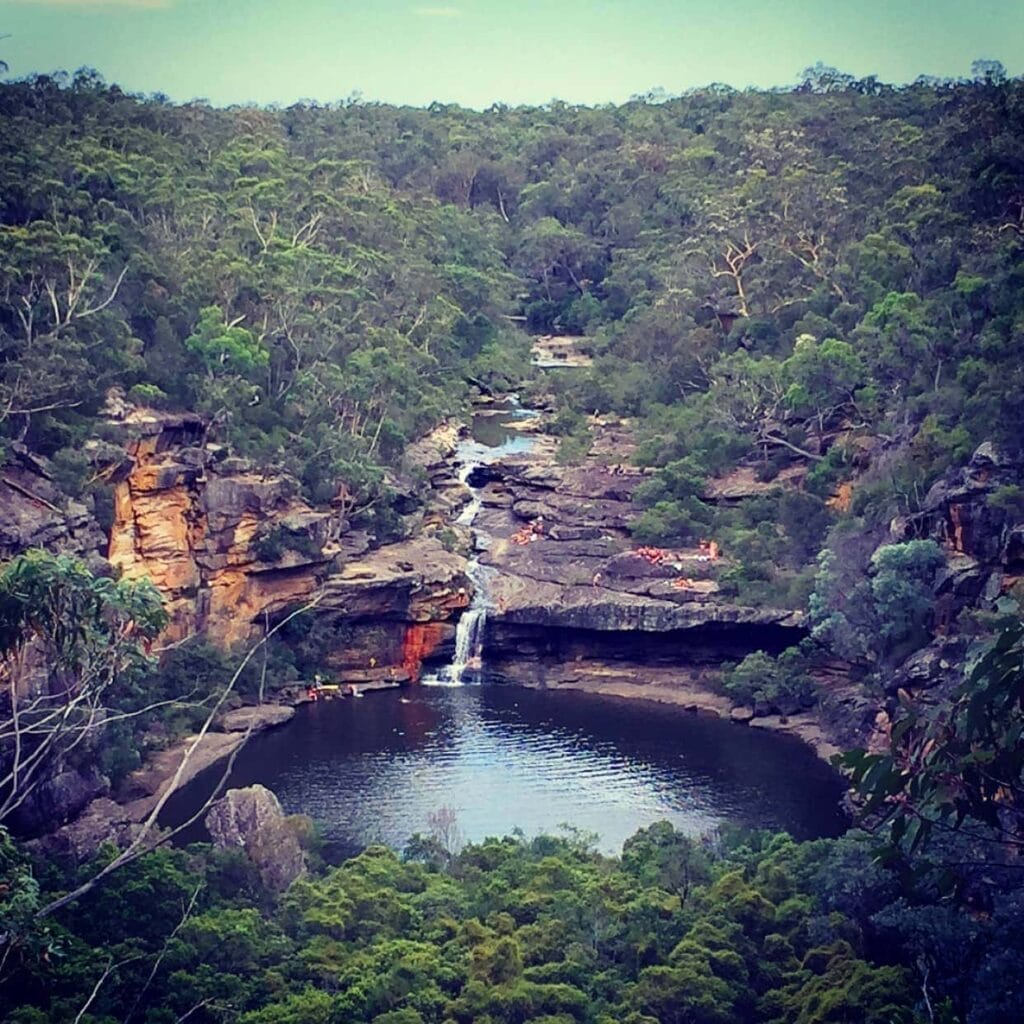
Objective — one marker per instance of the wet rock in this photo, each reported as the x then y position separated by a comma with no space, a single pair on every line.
741,714
262,716
554,606
567,533
803,727
251,820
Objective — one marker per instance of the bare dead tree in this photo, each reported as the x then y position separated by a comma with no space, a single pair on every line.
49,727
810,249
67,638
736,257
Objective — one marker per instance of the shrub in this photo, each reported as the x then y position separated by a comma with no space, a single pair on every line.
779,684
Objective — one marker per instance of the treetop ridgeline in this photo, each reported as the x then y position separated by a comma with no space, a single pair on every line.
756,271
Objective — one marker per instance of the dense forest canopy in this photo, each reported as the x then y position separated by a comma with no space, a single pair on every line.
771,268
752,928
828,277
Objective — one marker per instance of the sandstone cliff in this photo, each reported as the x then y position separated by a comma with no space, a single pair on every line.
232,549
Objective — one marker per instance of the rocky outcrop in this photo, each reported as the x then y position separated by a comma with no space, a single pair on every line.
34,513
557,539
251,820
233,550
105,819
58,799
984,536
973,515
573,603
257,717
958,512
391,609
225,545
98,818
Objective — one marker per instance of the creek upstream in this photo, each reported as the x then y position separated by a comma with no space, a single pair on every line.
505,757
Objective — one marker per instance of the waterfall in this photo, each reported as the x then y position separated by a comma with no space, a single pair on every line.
469,633
468,514
469,638
472,454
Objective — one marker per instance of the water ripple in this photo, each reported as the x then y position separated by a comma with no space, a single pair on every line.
506,758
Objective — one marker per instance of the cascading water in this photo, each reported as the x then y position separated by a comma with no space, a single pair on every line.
469,633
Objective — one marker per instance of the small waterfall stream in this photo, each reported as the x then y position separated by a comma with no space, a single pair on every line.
469,638
469,633
485,445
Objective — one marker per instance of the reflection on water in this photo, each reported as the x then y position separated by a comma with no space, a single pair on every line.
505,757
491,429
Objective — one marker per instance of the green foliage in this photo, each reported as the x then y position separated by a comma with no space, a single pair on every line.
778,685
903,587
68,470
226,348
1009,498
737,928
82,620
273,544
19,902
882,617
823,379
796,282
955,763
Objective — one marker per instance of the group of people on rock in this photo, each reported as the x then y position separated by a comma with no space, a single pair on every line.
709,551
317,689
532,531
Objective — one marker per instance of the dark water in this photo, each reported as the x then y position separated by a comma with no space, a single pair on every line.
504,757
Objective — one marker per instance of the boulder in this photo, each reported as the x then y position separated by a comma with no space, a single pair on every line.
57,800
251,820
103,821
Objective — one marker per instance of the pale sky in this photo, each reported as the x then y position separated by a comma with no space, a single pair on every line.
476,52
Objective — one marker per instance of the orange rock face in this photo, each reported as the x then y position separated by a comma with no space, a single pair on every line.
191,529
956,519
421,640
842,499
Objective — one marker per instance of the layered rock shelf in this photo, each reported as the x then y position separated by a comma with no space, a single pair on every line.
573,601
